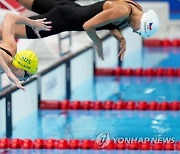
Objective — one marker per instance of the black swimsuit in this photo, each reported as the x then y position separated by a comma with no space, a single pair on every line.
67,16
6,51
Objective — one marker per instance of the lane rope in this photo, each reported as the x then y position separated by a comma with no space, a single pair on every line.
109,105
154,72
6,143
161,42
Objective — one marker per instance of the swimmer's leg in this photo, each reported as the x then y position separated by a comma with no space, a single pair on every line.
26,3
38,6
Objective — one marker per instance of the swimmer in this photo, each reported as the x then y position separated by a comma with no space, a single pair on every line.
21,65
112,15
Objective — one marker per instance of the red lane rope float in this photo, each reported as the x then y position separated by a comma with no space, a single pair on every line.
6,143
156,72
109,105
161,42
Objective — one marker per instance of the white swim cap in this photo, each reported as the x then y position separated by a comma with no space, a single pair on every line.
149,24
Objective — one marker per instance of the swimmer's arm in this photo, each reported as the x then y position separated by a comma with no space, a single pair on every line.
97,42
122,41
107,16
10,20
19,19
37,25
9,73
101,19
117,34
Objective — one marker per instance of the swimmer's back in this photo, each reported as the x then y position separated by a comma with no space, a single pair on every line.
76,15
69,16
44,6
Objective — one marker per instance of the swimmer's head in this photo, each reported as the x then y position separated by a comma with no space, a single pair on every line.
28,62
149,24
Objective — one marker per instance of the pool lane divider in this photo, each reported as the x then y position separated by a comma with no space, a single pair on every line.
108,105
161,42
83,144
6,143
154,72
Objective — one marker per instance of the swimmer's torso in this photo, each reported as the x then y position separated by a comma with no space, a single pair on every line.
11,48
69,16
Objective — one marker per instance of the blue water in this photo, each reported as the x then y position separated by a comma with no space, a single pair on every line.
88,124
137,88
161,57
130,88
119,124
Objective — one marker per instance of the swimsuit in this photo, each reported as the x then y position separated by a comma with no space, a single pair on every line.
67,16
6,51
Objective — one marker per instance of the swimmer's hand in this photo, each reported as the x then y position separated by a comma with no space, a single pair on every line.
41,24
14,79
18,84
122,48
99,49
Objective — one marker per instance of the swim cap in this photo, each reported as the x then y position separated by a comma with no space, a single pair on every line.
26,60
149,24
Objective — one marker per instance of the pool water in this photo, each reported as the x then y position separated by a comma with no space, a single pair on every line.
161,57
119,124
130,88
88,124
137,88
